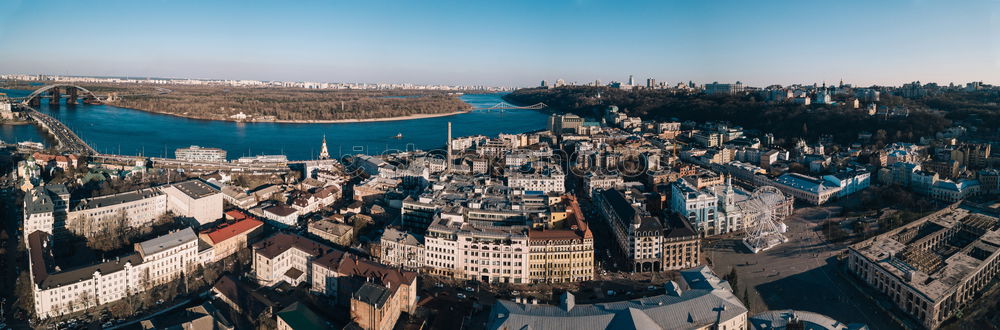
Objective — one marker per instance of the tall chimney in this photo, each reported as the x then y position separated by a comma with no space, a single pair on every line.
448,147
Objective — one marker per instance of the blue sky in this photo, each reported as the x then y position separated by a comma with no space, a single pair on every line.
513,43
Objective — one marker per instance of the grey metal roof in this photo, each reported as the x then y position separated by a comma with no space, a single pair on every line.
37,201
195,188
126,197
372,294
402,237
706,301
167,241
780,319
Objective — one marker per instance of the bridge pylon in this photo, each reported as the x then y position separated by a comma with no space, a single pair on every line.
56,96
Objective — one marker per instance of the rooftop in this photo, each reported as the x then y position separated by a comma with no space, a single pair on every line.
166,242
227,231
402,237
195,188
280,210
126,197
300,316
706,300
281,242
372,294
786,319
39,245
330,227
969,236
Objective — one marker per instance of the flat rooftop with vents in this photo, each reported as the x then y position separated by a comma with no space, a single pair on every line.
934,265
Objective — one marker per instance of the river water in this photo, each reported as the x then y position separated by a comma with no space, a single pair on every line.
123,131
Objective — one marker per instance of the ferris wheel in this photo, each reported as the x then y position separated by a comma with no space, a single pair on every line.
766,229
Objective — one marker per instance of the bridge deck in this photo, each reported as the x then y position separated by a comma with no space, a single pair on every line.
66,137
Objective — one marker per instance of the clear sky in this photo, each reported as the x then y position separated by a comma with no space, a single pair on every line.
513,42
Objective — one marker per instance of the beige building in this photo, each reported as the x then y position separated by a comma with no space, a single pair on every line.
489,254
285,257
194,198
332,231
403,249
934,267
166,257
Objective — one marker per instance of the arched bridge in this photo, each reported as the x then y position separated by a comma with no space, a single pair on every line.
507,106
55,91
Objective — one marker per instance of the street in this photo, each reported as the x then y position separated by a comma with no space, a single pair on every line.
801,274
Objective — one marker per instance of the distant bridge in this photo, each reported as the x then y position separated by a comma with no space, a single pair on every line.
508,106
72,91
55,91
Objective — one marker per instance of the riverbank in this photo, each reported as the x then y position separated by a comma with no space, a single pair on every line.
16,122
302,121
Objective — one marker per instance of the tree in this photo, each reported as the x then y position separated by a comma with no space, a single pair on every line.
82,225
23,293
746,298
732,277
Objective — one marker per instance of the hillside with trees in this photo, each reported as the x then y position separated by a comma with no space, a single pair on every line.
785,120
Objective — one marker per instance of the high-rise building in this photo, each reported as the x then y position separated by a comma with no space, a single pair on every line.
631,80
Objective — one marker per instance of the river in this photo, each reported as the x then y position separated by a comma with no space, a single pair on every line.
124,131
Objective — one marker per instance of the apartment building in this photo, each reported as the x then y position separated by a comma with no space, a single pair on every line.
492,254
562,253
649,242
63,291
402,249
167,257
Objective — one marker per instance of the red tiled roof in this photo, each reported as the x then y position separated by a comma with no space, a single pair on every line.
47,158
225,232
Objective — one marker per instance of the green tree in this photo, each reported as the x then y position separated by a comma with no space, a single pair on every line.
746,298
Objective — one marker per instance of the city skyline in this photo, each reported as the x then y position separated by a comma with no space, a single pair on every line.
759,44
